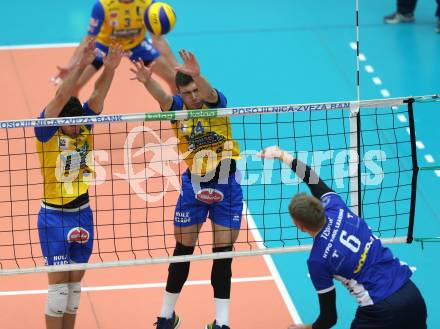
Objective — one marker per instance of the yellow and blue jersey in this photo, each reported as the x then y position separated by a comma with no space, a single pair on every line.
346,250
204,141
113,21
65,161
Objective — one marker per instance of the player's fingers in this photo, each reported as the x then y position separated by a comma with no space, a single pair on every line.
90,45
183,54
135,64
120,50
135,72
56,80
151,65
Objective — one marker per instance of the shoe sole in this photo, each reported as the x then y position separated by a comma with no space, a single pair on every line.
177,325
398,22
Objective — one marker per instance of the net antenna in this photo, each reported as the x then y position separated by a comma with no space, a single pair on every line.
355,128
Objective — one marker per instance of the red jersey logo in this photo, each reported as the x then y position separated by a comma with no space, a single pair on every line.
209,195
78,235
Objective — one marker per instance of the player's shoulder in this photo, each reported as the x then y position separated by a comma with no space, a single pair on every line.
331,200
107,2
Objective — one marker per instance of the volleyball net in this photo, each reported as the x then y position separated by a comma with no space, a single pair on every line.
366,151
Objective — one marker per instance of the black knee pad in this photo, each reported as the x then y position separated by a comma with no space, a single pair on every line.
221,274
178,272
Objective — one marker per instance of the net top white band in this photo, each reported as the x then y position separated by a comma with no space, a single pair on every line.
212,113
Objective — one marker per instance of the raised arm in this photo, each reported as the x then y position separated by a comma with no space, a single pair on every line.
192,68
64,92
64,70
164,49
303,171
143,75
111,62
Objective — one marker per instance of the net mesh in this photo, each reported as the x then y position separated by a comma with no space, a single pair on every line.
137,180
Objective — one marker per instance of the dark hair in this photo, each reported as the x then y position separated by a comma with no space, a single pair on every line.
307,210
182,79
73,108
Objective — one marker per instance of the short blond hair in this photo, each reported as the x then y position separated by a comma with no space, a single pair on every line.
307,210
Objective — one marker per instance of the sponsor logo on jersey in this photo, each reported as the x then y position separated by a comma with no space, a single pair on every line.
363,257
209,195
125,33
325,201
78,235
63,143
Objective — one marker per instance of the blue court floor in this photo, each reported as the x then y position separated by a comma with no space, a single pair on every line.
283,52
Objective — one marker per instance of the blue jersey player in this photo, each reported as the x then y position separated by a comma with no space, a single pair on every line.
345,249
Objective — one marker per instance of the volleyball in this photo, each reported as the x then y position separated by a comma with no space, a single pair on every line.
159,18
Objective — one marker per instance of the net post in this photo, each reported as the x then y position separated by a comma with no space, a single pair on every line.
412,133
354,167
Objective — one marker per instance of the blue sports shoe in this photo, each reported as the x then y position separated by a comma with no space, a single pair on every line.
214,325
163,323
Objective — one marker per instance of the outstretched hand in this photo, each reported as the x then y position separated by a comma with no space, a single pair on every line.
113,57
271,152
190,65
63,71
88,54
142,73
274,152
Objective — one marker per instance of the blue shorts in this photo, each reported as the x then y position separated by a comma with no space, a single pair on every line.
404,309
222,203
145,51
65,237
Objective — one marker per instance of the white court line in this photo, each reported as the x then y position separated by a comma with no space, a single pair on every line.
377,81
272,268
369,69
137,286
420,145
36,46
429,158
385,92
402,117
